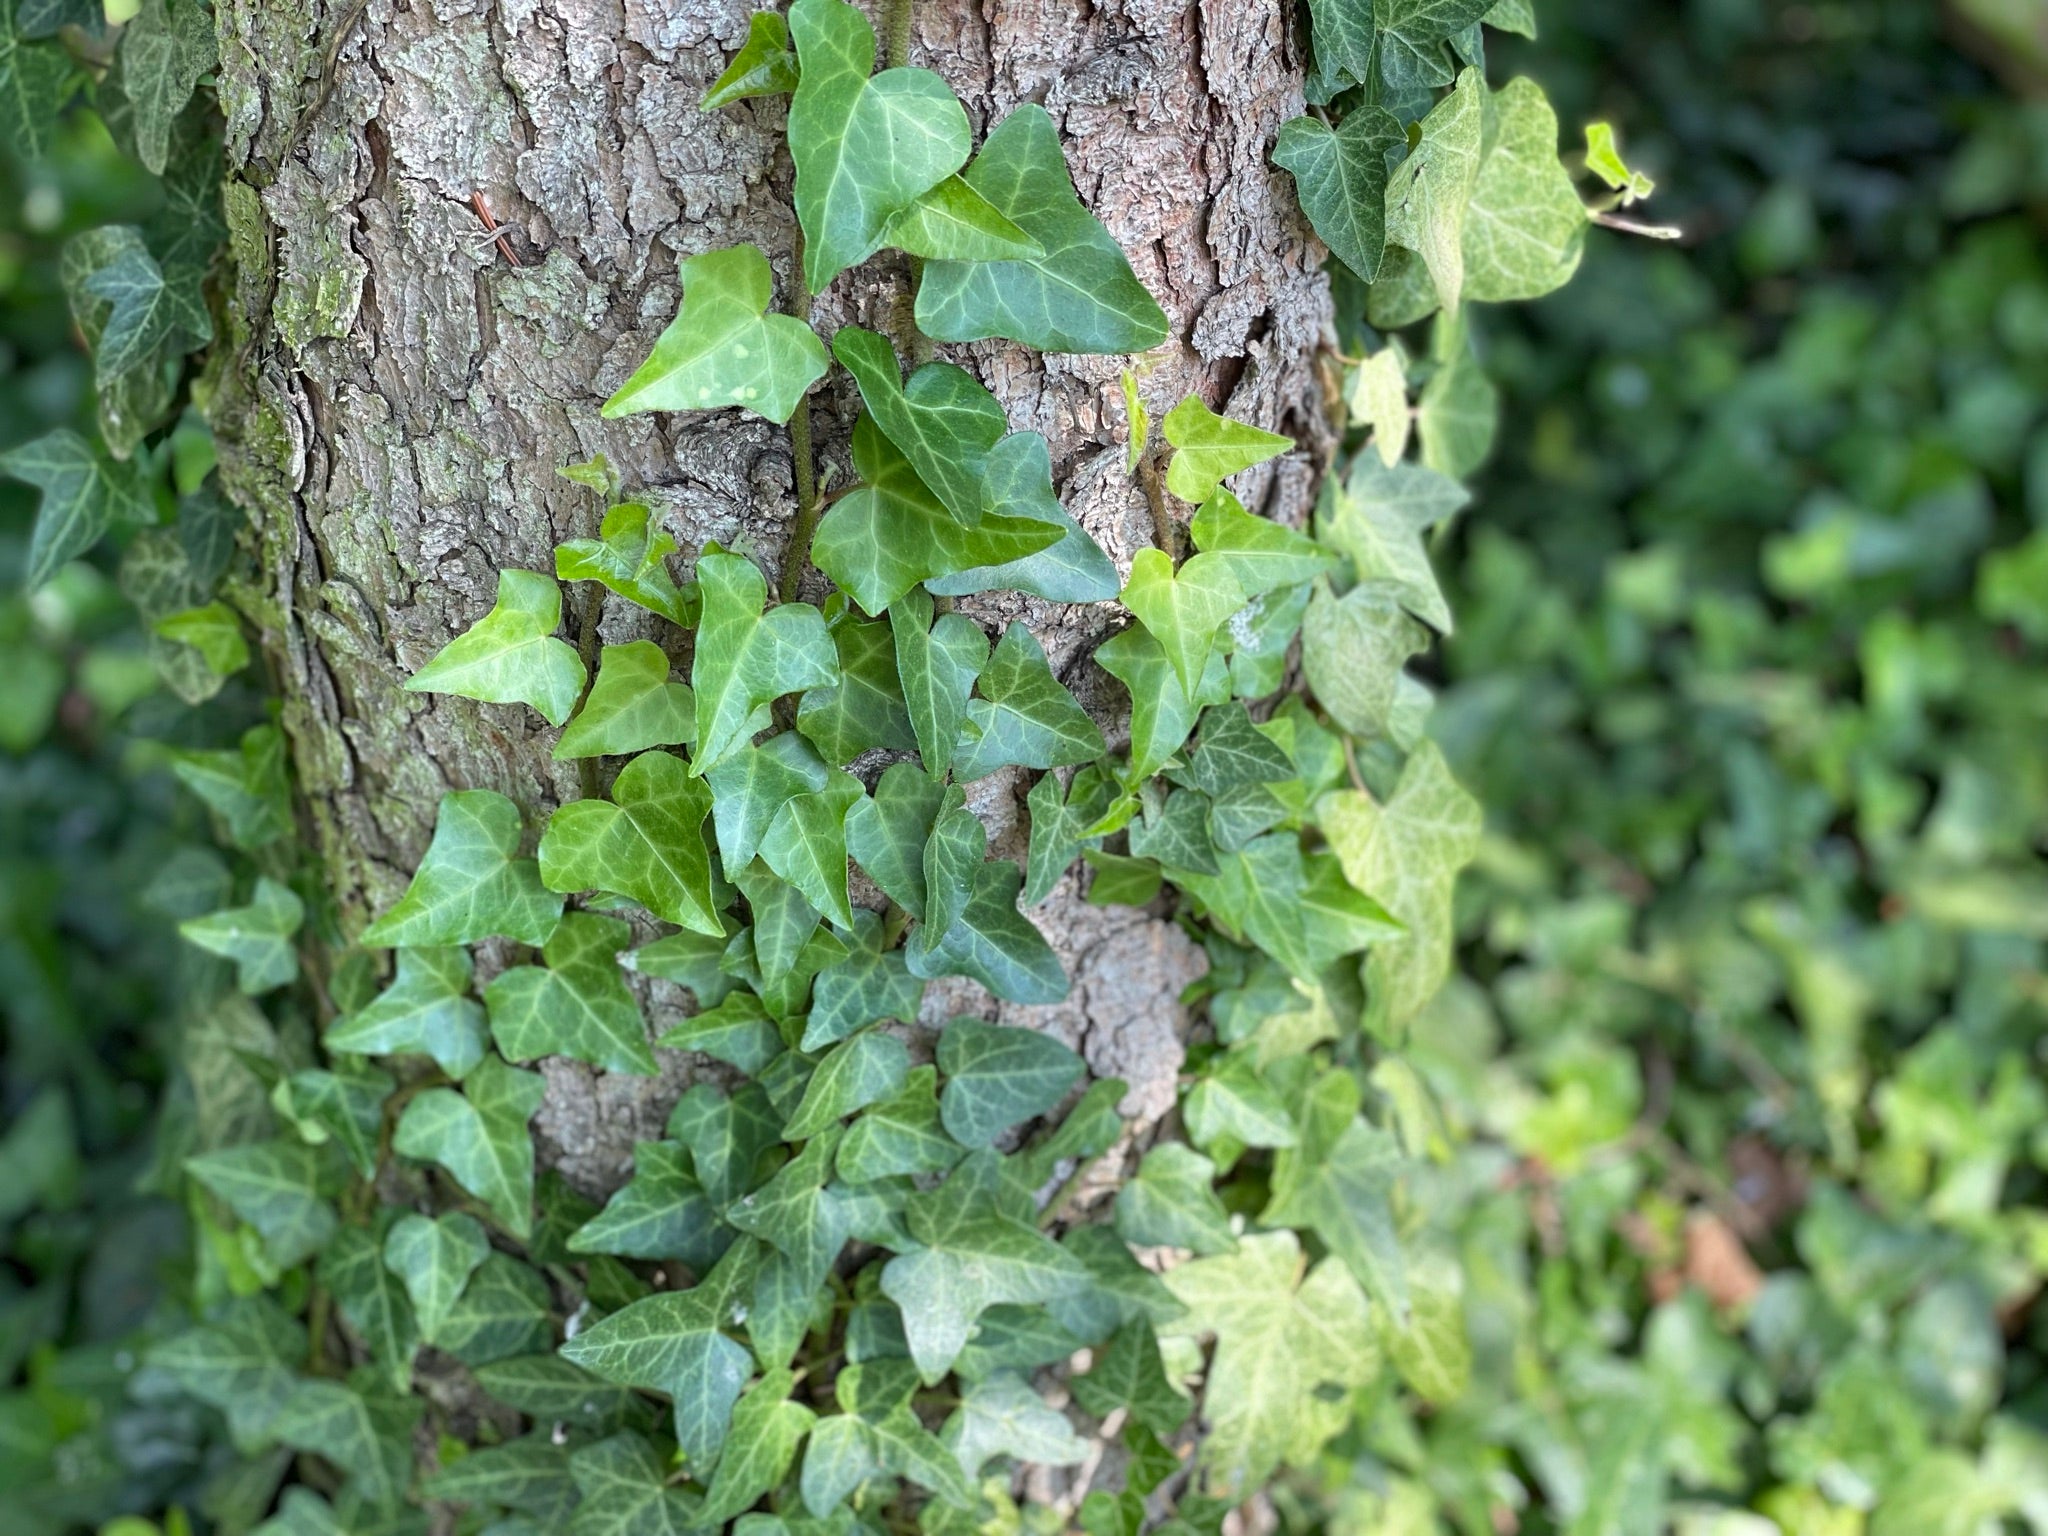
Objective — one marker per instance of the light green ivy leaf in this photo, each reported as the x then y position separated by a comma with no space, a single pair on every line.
1353,649
1525,227
1172,1203
1261,554
632,706
764,66
1183,609
578,1006
723,348
1209,449
1377,516
479,1135
257,937
630,557
510,655
646,842
469,886
745,658
278,1187
1429,193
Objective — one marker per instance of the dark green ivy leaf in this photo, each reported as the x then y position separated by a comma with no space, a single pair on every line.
869,985
865,709
479,1135
995,944
1340,177
373,1301
36,80
1022,714
164,52
578,1006
278,1187
662,1212
624,1481
85,493
257,937
1172,1203
999,1076
938,663
434,1258
853,1074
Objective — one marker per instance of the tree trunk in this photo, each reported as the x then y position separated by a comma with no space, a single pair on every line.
405,387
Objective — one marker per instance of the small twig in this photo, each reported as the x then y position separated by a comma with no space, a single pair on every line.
491,227
1636,226
1165,531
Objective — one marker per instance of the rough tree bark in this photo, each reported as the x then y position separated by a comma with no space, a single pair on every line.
402,394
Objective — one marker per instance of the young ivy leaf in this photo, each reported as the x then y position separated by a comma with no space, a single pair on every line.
479,1135
510,655
632,706
1378,515
164,52
434,1257
942,420
213,631
764,66
1603,159
1136,422
1352,652
85,493
1338,1181
1459,411
890,532
1022,715
1525,227
998,1076
1379,402
1407,853
972,1255
937,664
995,944
1183,609
1340,177
866,146
954,222
470,886
1208,448
723,348
1079,295
579,1006
257,937
1162,713
427,1010
629,556
1430,192
747,659
1172,1203
865,709
646,842
1280,1342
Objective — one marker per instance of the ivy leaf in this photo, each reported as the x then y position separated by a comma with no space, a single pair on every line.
434,1257
1233,1103
258,937
277,1187
1162,714
164,52
871,984
865,710
36,80
1002,1415
840,1457
723,348
785,923
1175,832
247,788
1208,449
1603,155
629,556
1172,1203
1260,553
367,1437
1059,828
469,886
1378,515
954,223
1022,714
764,66
1352,652
530,1474
133,318
1338,1180
245,1362
501,1313
579,1006
942,420
548,1387
479,1135
623,1481
1078,295
805,845
952,855
751,787
1412,35
995,944
1460,408
972,1256
1344,36
767,1428
797,1214
1233,753
1525,227
1340,177
1016,486
1183,609
646,842
1429,1347
1282,1341
853,1074
998,1076
747,659
1407,853
938,664
85,493
1129,1374
1429,193
670,1342
632,706
510,655
899,1136
662,1213
887,832
890,532
373,1302
866,146
213,631
727,1135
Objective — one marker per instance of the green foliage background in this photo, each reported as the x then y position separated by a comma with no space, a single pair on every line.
1747,675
